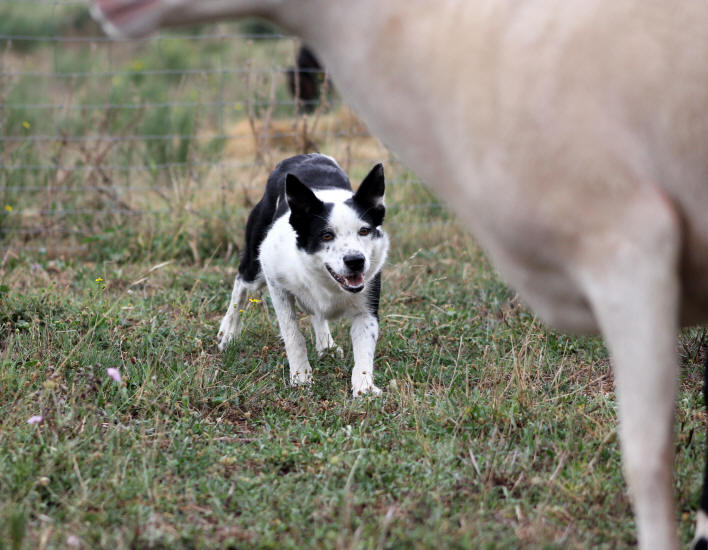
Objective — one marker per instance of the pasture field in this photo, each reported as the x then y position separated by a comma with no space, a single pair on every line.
491,432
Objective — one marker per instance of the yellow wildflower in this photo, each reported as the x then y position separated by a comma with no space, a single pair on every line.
8,208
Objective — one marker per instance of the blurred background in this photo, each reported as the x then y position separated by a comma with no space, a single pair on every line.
158,148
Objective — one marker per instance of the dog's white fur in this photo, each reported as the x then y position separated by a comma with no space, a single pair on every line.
572,138
296,277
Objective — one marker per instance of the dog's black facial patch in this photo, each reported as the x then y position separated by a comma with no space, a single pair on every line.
367,202
308,215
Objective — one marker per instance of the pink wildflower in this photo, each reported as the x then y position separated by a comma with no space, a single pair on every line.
114,373
36,419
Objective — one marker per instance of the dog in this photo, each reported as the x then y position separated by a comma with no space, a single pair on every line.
571,136
317,244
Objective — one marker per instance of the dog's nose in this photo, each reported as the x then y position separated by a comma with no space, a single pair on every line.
354,262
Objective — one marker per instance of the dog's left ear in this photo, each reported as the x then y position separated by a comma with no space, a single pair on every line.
370,195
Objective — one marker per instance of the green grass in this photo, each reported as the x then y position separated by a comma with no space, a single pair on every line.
169,103
38,21
492,432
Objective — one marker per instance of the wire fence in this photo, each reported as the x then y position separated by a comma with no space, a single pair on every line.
174,133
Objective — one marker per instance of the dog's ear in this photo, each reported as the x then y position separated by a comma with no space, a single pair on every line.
369,198
305,208
301,199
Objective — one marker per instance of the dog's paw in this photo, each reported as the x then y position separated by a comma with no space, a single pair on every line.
224,337
301,377
223,340
228,330
365,389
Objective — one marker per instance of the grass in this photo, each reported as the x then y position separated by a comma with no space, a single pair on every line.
492,431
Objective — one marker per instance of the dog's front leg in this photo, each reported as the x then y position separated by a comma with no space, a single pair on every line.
323,337
364,333
231,323
295,348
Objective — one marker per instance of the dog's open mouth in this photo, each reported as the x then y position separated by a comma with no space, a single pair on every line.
352,283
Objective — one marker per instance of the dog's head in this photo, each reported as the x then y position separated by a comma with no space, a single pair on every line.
341,231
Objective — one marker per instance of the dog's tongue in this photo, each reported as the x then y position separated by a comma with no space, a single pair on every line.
355,280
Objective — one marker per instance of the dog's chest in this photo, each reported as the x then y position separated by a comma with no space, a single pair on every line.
318,300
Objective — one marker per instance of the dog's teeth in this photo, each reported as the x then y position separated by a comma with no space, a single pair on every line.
355,280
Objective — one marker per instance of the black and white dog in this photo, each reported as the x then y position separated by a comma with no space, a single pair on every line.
316,243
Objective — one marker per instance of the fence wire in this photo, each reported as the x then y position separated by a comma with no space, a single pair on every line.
169,131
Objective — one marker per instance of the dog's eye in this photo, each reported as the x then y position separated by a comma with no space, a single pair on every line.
327,236
364,231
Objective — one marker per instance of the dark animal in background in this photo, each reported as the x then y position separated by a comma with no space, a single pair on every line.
305,80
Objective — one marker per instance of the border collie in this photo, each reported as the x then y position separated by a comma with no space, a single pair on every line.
319,245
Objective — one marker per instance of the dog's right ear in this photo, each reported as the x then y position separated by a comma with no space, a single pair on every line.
301,199
305,207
